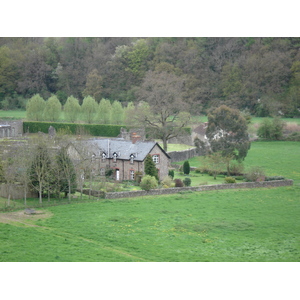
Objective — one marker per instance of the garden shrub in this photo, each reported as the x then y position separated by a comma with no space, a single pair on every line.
148,183
171,173
178,183
167,182
229,180
255,174
186,167
187,181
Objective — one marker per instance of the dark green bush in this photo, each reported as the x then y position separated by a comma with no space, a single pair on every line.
186,167
92,129
187,181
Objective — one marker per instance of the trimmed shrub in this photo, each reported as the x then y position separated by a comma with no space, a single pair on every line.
186,167
92,129
178,183
229,180
148,183
187,181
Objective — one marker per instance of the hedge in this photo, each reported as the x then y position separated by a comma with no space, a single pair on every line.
93,129
73,128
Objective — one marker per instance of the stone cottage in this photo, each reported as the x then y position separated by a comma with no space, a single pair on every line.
124,157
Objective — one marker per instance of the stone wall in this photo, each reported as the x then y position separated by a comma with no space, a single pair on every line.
240,185
182,155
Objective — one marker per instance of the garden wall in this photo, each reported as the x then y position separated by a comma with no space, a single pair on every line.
240,185
182,155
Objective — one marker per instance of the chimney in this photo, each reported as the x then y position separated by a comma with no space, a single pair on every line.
135,138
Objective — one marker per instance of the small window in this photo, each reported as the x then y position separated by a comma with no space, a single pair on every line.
102,171
131,174
155,158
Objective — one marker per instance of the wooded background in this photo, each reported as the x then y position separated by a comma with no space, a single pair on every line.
261,75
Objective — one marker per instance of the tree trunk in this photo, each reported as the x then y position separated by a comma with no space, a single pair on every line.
165,144
40,193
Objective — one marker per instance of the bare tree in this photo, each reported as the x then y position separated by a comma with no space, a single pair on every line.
167,113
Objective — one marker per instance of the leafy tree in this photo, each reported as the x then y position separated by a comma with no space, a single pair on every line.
35,108
72,109
66,173
227,133
104,112
89,109
52,109
117,113
93,85
150,168
165,116
148,183
186,167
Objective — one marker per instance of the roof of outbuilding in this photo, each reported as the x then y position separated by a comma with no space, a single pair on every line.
123,148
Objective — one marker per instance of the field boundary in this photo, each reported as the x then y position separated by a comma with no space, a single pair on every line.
240,185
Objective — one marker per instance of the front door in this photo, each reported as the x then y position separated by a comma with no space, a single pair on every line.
117,174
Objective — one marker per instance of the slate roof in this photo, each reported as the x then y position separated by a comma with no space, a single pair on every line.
123,148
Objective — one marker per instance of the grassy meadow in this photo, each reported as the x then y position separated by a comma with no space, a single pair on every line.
229,225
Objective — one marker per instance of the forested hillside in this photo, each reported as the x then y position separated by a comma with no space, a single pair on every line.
258,74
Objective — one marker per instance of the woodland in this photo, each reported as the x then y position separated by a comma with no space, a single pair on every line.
258,75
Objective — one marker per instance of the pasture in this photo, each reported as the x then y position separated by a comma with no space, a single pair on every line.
229,225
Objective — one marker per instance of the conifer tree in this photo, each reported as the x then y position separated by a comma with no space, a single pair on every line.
150,168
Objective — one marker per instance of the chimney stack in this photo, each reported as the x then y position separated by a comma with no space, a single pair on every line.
135,138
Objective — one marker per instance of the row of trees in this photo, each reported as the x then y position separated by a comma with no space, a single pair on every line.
259,74
90,111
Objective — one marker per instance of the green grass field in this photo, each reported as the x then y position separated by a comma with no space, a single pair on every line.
229,225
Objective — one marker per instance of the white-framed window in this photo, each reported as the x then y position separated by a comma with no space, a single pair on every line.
131,174
131,158
102,171
115,155
103,157
155,158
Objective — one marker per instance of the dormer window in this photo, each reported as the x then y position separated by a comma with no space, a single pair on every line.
103,156
132,156
115,155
